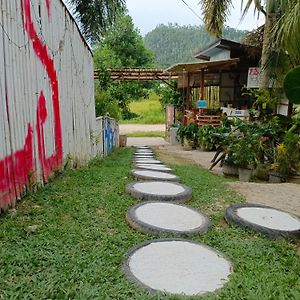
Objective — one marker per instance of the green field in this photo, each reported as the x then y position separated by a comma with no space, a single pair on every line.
70,239
149,111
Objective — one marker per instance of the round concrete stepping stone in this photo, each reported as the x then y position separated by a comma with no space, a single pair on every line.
143,151
151,156
148,161
162,217
154,175
273,222
159,191
177,266
161,168
144,154
142,158
142,147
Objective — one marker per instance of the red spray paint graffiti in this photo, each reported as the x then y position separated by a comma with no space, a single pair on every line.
16,168
48,7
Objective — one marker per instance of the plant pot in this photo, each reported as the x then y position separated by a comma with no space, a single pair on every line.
230,170
245,174
186,147
294,179
204,148
122,140
261,172
275,177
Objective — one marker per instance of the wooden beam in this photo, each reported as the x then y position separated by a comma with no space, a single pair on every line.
188,96
202,84
138,74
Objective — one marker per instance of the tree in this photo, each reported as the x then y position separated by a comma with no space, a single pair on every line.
122,47
96,16
174,44
281,20
286,30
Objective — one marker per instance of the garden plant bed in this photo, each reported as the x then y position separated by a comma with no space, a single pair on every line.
70,239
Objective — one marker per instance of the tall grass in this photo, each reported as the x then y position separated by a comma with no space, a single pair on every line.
149,111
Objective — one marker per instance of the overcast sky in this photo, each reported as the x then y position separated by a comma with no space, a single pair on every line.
147,14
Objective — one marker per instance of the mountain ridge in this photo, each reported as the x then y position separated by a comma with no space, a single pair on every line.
173,43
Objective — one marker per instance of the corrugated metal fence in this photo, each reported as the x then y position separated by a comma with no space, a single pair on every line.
47,110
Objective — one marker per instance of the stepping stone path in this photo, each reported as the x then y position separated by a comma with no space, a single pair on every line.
159,190
148,161
160,168
143,151
144,155
270,221
177,267
154,175
160,217
172,266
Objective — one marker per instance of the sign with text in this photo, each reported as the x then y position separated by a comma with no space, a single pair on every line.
201,104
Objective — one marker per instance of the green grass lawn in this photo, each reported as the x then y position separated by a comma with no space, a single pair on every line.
149,110
81,239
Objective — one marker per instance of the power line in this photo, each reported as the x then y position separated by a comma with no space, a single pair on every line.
192,11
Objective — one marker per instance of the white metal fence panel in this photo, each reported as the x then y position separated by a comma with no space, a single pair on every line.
47,110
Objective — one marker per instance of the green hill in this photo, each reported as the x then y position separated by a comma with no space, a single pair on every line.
173,43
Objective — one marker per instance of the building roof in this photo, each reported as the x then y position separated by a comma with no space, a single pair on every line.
206,66
219,45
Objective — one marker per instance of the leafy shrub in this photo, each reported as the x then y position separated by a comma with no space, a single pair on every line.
105,105
189,133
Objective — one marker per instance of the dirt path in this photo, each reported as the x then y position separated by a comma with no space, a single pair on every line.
129,128
285,196
147,141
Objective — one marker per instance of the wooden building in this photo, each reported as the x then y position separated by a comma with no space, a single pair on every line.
219,76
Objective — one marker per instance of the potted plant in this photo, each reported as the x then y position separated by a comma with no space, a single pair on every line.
188,134
244,156
229,166
286,157
206,139
280,166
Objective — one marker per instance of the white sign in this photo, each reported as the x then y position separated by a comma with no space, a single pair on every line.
253,78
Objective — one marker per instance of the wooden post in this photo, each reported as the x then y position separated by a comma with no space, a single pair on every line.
202,84
187,103
186,82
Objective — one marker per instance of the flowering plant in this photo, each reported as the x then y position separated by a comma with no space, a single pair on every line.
287,155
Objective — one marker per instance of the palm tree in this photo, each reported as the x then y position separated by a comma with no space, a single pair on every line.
96,16
280,36
286,30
